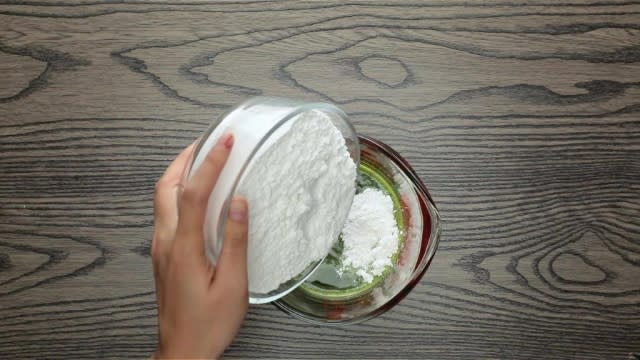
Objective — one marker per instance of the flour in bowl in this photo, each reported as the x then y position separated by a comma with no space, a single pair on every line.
370,234
299,190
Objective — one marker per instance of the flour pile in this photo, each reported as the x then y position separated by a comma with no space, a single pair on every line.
370,234
299,190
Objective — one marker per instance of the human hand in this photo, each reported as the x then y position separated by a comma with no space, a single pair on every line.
200,306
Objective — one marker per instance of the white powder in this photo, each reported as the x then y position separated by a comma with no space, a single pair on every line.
370,234
299,190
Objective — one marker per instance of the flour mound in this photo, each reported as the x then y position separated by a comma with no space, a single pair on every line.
299,190
370,234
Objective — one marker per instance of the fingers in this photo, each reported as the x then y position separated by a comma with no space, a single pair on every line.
195,196
165,204
231,271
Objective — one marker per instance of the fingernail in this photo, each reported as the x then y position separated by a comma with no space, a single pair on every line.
238,210
226,140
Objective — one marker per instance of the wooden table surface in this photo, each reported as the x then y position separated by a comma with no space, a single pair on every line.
523,119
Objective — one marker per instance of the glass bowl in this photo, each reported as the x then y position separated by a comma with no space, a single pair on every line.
419,225
256,124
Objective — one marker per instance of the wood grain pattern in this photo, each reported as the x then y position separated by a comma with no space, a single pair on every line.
522,117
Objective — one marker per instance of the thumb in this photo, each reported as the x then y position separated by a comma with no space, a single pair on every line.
231,270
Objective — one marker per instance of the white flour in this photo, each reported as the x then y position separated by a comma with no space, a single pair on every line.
370,234
299,190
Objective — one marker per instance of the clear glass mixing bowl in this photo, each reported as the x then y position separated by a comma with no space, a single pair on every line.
255,123
419,225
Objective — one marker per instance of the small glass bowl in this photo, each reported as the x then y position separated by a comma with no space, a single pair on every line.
255,124
419,223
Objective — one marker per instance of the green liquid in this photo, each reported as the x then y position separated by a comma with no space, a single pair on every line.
327,283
